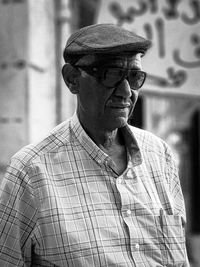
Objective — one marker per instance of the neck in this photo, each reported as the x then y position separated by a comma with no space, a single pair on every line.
103,138
107,139
111,142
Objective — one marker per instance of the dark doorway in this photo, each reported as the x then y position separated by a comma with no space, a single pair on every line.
195,171
137,116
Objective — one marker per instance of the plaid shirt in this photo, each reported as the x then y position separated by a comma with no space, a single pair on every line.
62,203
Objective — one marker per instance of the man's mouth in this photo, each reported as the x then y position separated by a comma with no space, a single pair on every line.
118,105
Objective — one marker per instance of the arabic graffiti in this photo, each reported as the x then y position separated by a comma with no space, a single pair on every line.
195,40
157,30
170,11
148,31
129,15
174,79
195,6
159,26
183,63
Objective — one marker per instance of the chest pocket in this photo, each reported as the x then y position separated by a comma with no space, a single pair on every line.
172,240
160,240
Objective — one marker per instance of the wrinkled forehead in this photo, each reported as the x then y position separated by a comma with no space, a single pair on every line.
110,59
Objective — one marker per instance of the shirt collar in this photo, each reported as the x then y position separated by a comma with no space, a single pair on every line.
131,145
95,152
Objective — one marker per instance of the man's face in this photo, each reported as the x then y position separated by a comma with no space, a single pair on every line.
107,108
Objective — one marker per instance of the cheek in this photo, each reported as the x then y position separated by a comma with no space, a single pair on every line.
99,95
134,97
90,96
86,91
93,96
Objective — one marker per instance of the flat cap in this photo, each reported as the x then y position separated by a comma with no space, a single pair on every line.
104,39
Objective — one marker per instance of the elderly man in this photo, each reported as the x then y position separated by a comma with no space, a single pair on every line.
96,191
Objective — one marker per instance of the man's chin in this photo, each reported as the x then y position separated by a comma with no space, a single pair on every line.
116,123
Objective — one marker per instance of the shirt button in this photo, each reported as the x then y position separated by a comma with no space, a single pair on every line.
137,246
128,212
99,161
129,174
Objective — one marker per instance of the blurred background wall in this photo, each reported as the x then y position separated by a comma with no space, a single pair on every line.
33,97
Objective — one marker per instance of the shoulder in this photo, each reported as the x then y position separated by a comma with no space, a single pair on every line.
149,142
60,136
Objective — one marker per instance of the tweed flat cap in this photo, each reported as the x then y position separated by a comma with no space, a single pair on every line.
104,39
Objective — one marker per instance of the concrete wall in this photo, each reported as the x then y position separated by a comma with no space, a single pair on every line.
30,73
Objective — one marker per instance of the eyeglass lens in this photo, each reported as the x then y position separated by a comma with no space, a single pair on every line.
112,76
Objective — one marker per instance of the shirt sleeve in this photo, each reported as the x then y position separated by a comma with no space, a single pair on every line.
17,216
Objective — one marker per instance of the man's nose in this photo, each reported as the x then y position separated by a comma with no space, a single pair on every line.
123,89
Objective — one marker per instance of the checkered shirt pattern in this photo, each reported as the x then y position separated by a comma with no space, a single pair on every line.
62,203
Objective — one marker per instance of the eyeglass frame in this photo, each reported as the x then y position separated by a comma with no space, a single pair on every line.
91,70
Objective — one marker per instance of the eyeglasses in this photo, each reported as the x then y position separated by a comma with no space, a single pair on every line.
111,77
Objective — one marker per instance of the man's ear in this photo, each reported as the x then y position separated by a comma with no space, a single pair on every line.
70,76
